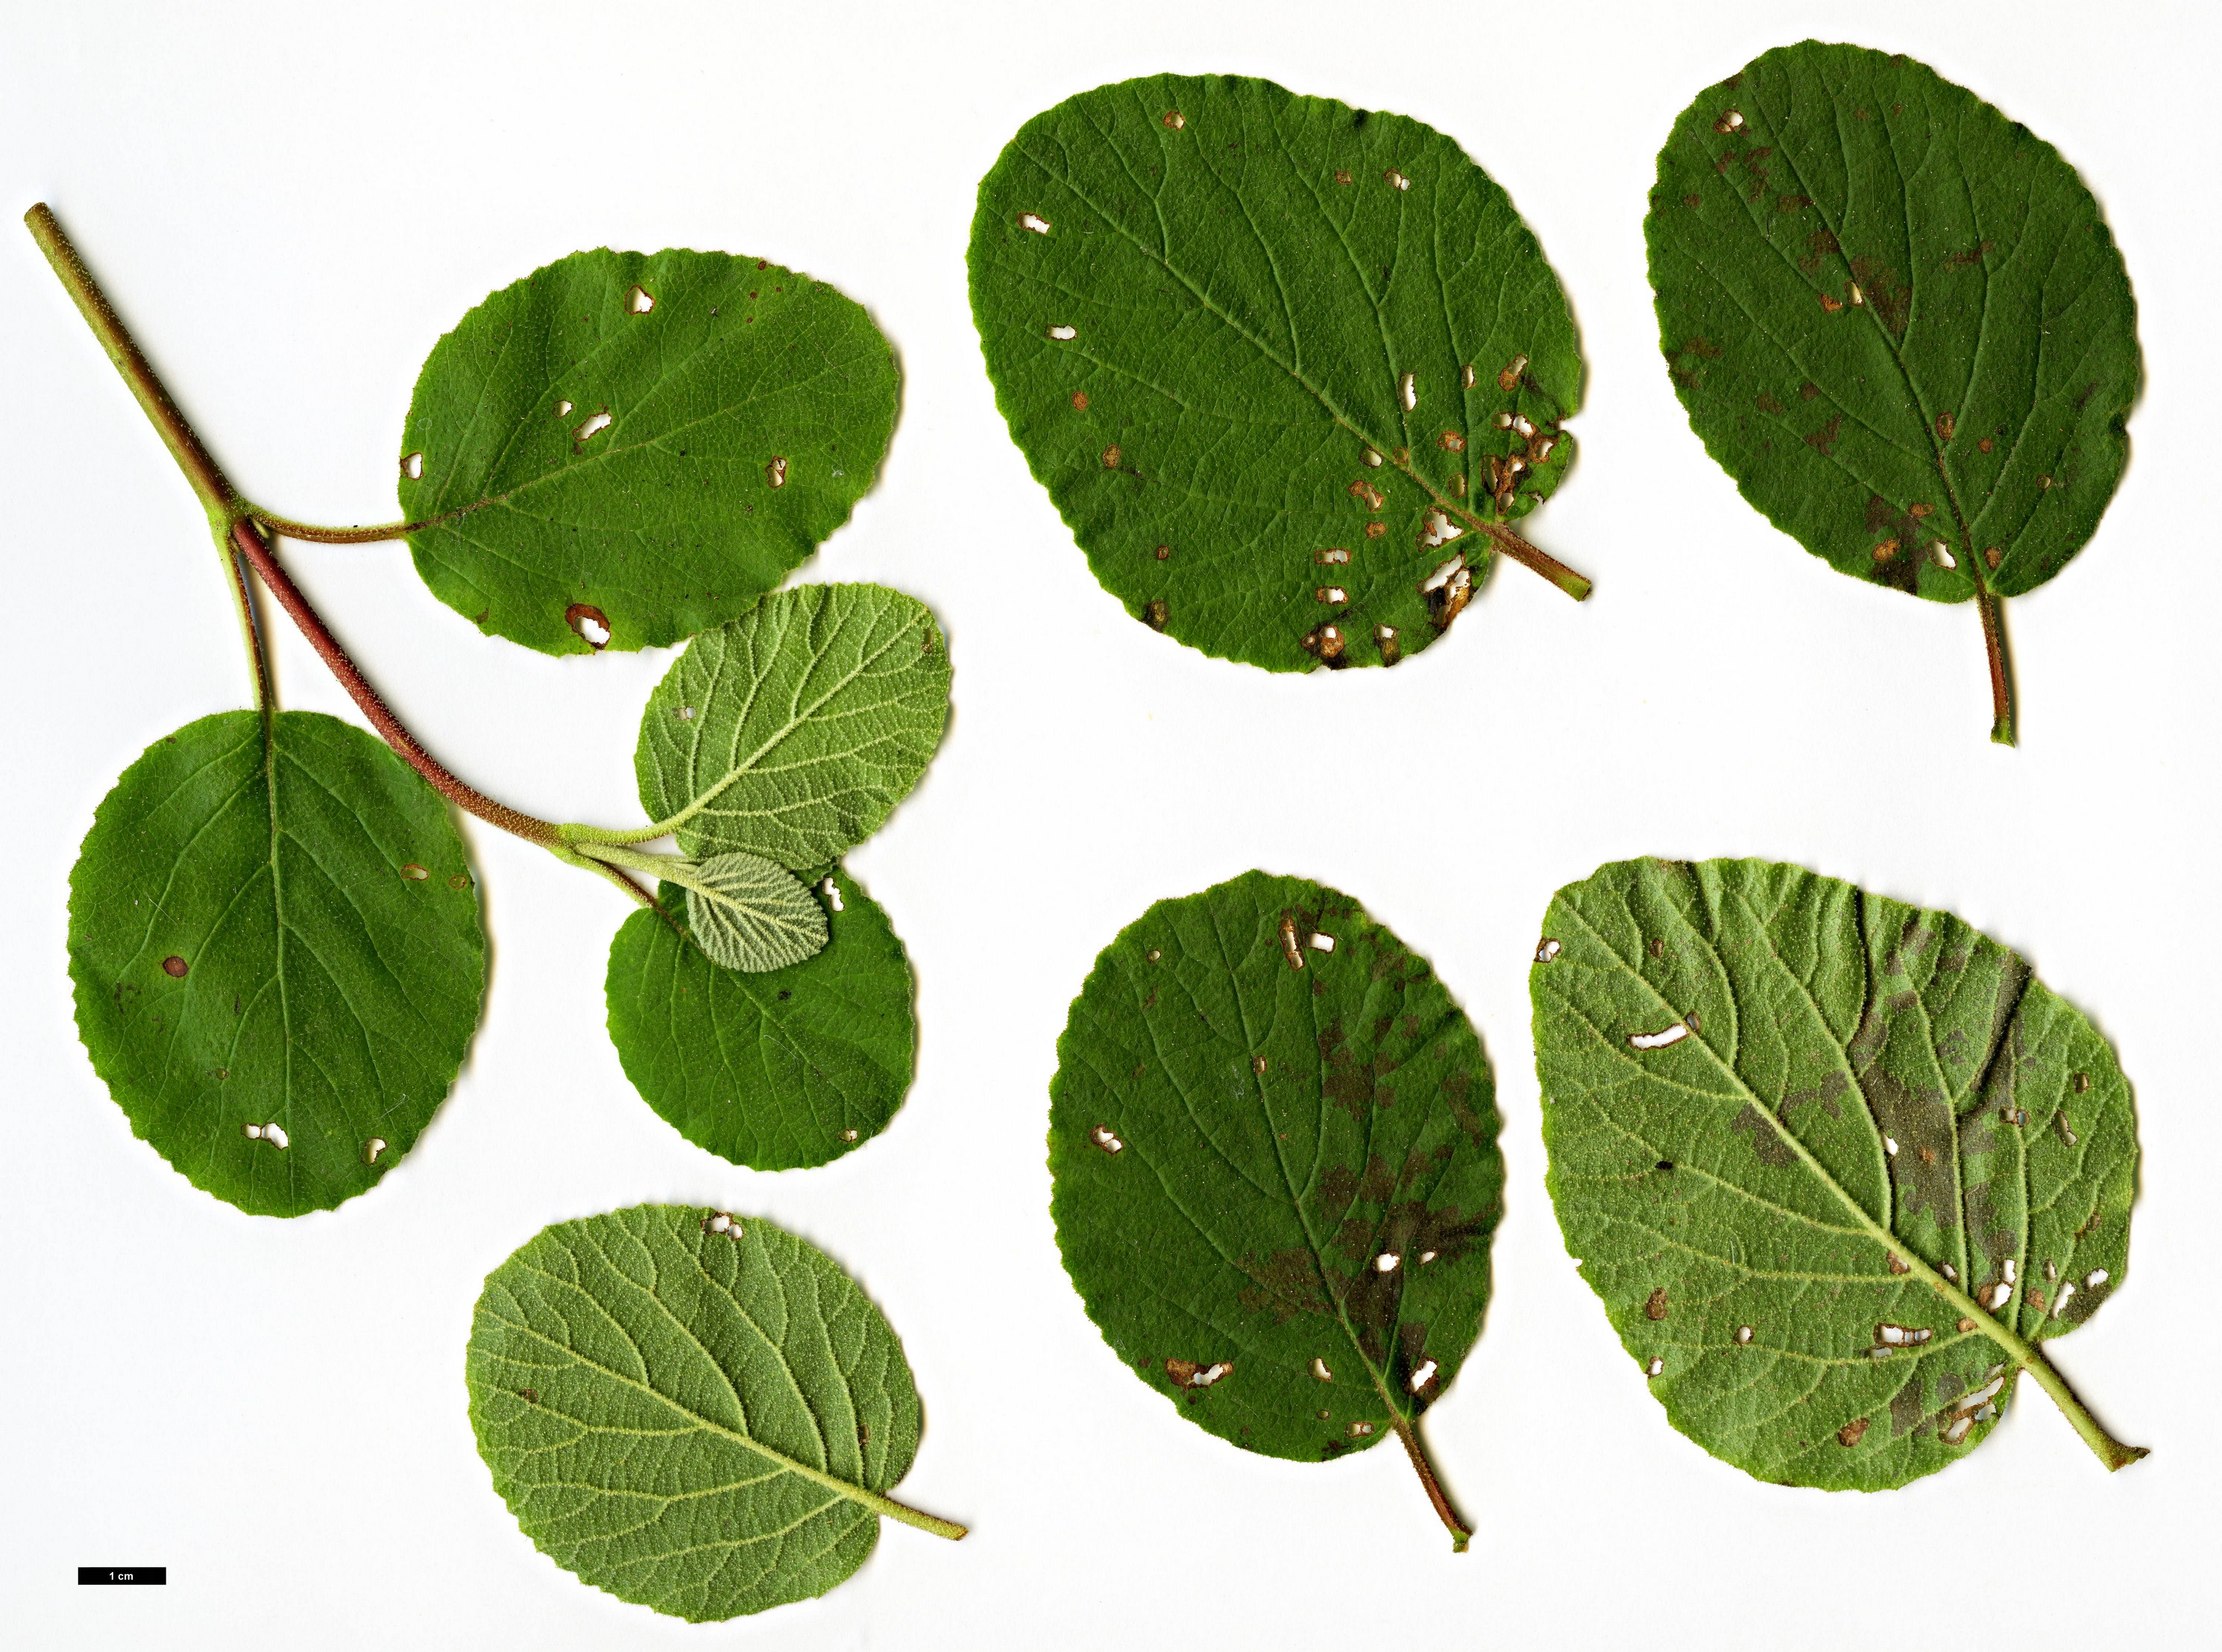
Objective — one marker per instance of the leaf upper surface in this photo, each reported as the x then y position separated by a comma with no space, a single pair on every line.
1205,301
286,937
652,470
1895,317
1855,1082
776,1071
793,731
1237,1145
678,1415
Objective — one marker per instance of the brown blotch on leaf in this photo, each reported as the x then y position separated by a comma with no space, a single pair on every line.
1852,1433
1111,457
1153,613
1766,1139
579,614
530,1396
1452,441
1654,1306
1820,244
1823,441
2080,1083
175,967
1163,552
1991,558
1080,400
1375,530
1829,305
1768,405
1944,427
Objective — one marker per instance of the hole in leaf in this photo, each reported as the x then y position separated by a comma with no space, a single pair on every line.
775,474
1659,1040
639,300
593,427
413,467
372,1148
1063,334
1031,221
590,623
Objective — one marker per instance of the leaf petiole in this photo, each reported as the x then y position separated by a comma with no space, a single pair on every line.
1409,1432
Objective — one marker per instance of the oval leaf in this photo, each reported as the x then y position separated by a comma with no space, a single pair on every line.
793,731
1834,1164
622,449
1274,1143
1896,318
696,1413
774,1071
748,915
277,955
1265,352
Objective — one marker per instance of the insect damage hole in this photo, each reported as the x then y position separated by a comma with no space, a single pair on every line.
1386,1262
1104,1138
1065,334
372,1148
414,873
832,894
1437,530
1547,950
775,472
1659,1040
591,623
1319,1370
1408,392
273,1133
1421,1378
594,426
413,467
562,409
1034,221
1321,942
639,300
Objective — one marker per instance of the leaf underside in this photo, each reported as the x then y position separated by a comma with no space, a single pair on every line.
1201,301
1895,317
1236,1144
775,1071
1732,1192
586,462
793,732
747,914
286,937
641,1385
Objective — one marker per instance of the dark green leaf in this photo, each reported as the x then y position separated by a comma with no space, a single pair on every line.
774,1071
1896,318
595,471
1834,1164
748,915
792,732
695,1413
1276,1166
281,937
1260,349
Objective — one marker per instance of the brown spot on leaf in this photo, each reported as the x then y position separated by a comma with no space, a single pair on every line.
1080,400
1654,1306
1766,1139
174,966
1821,244
1153,614
1891,299
1852,1433
1768,405
1906,1406
1823,441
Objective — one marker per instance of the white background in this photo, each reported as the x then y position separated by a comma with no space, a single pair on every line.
289,206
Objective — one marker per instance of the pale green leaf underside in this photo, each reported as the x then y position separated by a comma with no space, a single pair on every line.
748,915
585,460
1199,300
775,1071
1740,1175
284,936
678,1415
1213,1214
1895,317
793,732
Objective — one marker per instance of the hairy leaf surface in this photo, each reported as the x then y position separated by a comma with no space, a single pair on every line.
1276,1185
693,1416
792,732
1832,1162
748,915
277,955
787,1068
639,444
1896,318
1264,352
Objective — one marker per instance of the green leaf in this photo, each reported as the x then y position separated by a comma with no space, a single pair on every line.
1896,318
1836,1165
1273,1139
585,465
1260,348
748,915
284,936
774,1071
696,1413
793,731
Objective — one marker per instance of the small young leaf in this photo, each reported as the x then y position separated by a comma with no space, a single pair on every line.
622,450
1834,1164
277,955
1271,355
695,1412
748,915
1896,318
774,1071
1274,1146
793,731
